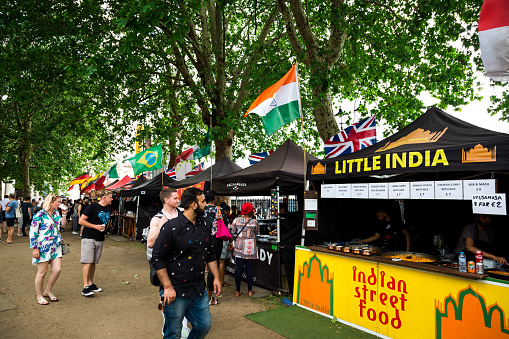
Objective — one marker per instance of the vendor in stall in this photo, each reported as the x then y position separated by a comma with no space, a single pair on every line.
478,236
389,233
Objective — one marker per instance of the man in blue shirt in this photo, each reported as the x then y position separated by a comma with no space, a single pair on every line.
10,216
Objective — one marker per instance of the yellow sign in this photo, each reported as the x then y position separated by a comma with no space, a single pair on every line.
400,302
429,158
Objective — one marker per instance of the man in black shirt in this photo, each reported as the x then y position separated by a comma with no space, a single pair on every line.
94,220
27,216
390,232
183,248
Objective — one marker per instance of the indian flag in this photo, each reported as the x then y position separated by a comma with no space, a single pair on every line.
279,104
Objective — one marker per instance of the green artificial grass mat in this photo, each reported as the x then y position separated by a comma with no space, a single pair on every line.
296,322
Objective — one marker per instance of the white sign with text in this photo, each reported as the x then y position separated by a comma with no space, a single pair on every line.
360,191
422,190
399,190
449,190
489,204
379,191
328,191
343,190
480,186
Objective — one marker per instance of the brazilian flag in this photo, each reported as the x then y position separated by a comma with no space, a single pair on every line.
147,160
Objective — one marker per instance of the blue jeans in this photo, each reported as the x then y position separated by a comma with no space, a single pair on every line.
241,263
196,310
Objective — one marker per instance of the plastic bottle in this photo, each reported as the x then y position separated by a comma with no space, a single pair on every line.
462,262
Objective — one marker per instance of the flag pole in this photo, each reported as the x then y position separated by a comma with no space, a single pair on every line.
302,124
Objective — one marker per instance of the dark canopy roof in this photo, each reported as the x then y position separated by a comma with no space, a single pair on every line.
140,181
435,142
151,187
221,168
284,168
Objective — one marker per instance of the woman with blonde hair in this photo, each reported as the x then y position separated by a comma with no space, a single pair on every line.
45,244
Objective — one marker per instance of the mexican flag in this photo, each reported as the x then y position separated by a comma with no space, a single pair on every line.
196,152
112,173
147,160
494,38
279,104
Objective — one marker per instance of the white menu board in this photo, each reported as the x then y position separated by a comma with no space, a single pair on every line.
484,186
328,191
399,190
379,191
343,190
489,204
422,190
449,190
360,191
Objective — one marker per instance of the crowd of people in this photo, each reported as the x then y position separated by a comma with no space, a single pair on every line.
182,248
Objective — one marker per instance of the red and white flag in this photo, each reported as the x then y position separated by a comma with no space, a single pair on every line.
494,38
196,169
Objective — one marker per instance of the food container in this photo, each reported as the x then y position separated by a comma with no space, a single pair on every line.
367,251
347,249
356,250
339,248
331,246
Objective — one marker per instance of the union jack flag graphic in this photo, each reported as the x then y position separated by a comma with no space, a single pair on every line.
171,172
257,157
196,169
352,138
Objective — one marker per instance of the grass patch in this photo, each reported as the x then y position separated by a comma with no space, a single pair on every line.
272,302
296,322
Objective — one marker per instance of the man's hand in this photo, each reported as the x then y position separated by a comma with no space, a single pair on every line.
162,221
100,228
35,253
64,212
500,260
170,295
217,287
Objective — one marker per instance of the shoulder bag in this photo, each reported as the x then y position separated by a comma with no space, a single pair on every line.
222,232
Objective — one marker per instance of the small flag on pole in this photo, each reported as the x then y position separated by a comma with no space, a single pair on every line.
257,157
352,138
171,172
148,160
196,152
279,104
196,169
79,180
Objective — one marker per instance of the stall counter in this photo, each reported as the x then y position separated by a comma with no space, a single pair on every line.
398,300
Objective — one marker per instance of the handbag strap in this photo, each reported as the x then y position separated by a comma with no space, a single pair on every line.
237,234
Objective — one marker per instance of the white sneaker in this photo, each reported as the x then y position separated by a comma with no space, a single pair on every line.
74,232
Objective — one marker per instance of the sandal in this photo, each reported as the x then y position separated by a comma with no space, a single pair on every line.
238,293
7,243
225,285
51,296
250,293
42,301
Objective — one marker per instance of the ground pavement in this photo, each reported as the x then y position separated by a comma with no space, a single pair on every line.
126,309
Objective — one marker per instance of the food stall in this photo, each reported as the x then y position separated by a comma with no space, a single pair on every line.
281,173
433,170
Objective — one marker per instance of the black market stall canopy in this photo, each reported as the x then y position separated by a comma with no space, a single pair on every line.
436,142
151,187
221,168
284,168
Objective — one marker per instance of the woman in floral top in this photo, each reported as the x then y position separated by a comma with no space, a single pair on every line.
45,243
245,252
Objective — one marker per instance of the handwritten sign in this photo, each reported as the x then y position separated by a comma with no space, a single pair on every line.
449,190
328,191
489,204
360,191
379,191
399,190
343,190
422,190
480,186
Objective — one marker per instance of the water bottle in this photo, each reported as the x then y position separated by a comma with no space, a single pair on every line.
463,262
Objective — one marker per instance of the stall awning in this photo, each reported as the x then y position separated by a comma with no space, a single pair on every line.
435,142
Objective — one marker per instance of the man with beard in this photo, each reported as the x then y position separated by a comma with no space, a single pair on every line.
183,248
391,233
478,236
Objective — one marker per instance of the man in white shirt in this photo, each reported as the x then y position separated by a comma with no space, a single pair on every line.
4,202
